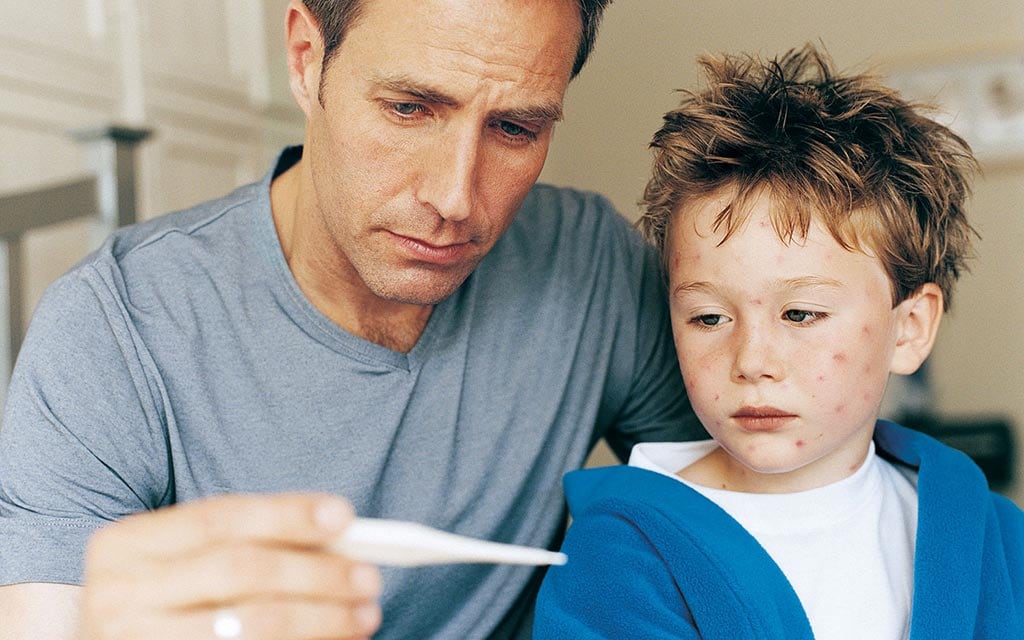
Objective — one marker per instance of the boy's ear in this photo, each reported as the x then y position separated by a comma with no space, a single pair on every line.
305,48
917,327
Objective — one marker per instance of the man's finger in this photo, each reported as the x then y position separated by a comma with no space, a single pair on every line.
269,620
287,519
231,574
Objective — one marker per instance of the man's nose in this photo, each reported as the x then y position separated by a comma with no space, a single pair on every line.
756,354
449,174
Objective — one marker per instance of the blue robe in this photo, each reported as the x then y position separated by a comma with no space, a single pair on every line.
651,558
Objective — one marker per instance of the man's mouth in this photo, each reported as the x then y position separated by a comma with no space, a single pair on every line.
445,253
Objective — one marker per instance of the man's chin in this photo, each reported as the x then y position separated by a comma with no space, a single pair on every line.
425,291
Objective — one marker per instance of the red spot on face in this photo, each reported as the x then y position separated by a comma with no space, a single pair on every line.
821,378
800,443
866,330
756,302
717,397
841,408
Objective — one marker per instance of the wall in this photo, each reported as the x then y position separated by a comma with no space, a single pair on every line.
202,74
647,50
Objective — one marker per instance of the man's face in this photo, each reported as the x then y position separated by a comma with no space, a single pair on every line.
785,347
436,120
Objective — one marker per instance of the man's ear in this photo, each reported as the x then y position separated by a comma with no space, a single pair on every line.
917,327
305,49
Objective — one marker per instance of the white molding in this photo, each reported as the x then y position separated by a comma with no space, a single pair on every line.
982,99
34,67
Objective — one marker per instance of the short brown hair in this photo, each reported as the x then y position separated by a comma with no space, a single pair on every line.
337,16
845,148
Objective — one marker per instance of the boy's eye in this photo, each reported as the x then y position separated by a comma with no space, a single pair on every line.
709,320
799,316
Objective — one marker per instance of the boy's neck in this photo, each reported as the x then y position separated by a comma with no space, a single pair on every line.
719,470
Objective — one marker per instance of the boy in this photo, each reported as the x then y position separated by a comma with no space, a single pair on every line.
812,227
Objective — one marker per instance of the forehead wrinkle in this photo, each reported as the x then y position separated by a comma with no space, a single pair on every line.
503,56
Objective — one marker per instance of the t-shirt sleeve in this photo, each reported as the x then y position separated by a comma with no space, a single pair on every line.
78,446
656,407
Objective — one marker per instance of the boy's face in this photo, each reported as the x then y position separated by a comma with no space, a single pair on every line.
785,348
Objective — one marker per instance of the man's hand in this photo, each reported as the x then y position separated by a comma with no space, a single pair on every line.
254,566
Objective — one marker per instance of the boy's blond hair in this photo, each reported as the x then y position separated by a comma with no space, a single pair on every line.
880,176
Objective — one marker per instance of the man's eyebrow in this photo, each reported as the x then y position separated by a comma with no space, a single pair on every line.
540,113
550,112
402,84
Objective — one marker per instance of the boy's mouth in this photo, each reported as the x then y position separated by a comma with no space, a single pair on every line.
762,418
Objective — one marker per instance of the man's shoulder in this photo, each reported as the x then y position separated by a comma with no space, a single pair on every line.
186,223
564,223
551,204
161,253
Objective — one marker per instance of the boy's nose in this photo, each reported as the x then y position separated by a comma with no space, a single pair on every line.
755,355
449,174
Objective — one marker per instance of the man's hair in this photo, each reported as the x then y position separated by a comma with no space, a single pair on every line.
880,176
336,17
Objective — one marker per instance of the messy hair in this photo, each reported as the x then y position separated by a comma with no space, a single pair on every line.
336,17
879,175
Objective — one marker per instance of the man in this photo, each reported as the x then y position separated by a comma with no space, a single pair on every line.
393,315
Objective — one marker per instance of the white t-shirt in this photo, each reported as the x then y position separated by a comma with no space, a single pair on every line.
846,548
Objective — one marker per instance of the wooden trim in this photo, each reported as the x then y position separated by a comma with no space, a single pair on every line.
20,212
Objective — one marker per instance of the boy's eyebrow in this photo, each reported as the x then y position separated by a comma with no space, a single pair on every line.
801,282
548,112
693,287
804,282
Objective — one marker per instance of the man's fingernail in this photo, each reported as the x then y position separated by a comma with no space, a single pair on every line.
365,580
332,516
367,617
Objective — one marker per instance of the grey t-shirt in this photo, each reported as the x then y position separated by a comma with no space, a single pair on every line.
181,360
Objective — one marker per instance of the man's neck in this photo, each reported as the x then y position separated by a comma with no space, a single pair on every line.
332,286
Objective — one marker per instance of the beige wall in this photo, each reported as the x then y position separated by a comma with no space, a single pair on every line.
647,49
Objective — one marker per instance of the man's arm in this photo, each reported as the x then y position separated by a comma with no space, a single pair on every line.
39,611
657,408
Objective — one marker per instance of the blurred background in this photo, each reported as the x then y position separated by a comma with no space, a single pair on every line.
207,79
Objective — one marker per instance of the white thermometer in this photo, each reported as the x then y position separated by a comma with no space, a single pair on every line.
408,544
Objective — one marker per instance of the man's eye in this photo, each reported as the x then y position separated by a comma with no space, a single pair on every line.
514,130
406,109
